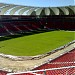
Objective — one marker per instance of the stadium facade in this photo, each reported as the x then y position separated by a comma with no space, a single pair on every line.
16,19
21,19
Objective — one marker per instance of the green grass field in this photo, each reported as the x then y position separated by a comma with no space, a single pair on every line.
36,44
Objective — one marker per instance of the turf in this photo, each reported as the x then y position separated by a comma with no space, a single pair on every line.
36,44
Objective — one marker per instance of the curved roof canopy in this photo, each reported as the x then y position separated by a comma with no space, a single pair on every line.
11,9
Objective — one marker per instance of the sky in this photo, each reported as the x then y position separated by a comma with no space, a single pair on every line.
40,3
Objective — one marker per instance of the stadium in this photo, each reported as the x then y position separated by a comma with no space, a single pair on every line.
37,40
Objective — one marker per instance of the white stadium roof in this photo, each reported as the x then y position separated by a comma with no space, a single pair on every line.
11,9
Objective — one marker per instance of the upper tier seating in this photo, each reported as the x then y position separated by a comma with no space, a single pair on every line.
10,27
16,27
23,28
3,31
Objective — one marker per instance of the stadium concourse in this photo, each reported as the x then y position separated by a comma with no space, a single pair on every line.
17,20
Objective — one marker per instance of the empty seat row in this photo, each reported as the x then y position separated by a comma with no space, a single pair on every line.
19,27
67,59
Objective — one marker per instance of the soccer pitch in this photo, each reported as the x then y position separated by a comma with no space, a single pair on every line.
36,44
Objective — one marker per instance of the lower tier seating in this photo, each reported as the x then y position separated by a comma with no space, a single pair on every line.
67,59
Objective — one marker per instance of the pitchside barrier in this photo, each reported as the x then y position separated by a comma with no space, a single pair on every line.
69,70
